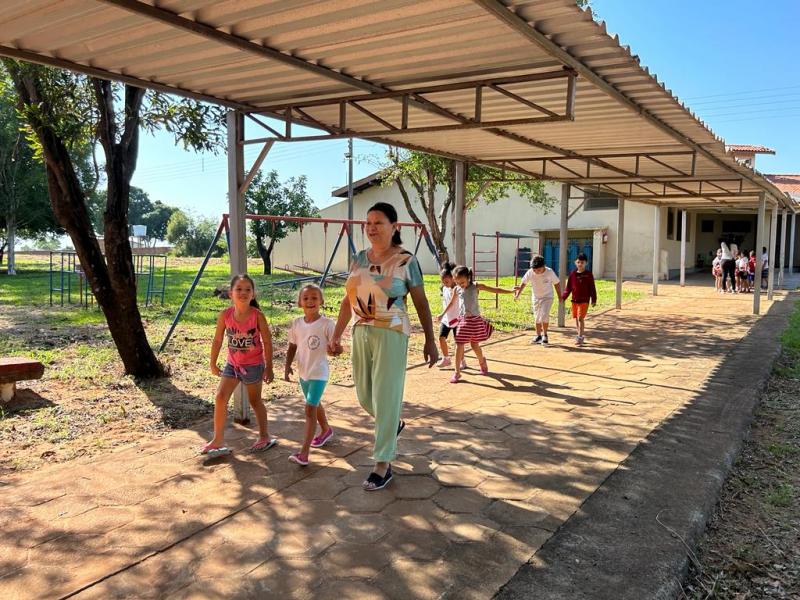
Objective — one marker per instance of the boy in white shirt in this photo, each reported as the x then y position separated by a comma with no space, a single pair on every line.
543,281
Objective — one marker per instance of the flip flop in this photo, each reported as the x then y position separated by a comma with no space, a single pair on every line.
218,452
263,445
207,447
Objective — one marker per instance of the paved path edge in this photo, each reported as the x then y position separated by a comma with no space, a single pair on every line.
623,541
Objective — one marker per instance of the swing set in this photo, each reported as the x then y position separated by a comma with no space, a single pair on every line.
321,278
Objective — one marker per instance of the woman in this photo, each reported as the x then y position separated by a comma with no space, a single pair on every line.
380,280
728,268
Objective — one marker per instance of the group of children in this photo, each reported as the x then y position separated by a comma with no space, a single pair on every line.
249,359
734,271
461,311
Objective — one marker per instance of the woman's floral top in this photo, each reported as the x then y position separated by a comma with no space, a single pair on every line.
377,293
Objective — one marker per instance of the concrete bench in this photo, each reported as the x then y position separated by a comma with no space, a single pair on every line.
13,370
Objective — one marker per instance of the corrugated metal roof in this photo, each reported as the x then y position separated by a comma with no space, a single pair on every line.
629,133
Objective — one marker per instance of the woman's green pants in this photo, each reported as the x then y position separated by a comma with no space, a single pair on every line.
379,372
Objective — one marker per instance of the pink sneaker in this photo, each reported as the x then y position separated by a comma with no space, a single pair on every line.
455,378
444,362
299,459
320,440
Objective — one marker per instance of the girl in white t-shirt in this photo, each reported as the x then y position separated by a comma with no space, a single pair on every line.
308,340
543,281
451,311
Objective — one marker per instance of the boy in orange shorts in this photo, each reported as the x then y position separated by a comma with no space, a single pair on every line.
581,285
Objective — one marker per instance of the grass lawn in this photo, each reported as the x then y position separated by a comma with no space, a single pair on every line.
85,402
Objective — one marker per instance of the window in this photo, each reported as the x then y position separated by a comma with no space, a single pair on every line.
599,201
707,226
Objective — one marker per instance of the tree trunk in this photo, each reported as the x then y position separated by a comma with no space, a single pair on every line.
113,283
11,234
265,252
2,251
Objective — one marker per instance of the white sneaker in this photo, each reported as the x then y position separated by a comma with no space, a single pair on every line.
545,341
537,339
463,365
444,362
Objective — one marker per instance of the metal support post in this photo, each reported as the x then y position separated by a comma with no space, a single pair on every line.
349,157
459,220
791,243
684,214
618,266
773,239
781,274
563,241
656,247
762,213
236,223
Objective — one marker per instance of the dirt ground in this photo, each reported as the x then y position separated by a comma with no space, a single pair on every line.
86,405
752,544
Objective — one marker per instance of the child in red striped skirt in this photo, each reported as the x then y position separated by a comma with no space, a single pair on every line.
472,328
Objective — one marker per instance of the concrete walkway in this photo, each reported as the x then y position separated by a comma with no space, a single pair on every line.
489,470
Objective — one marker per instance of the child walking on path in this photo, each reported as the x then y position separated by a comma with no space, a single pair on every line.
249,362
581,285
471,328
542,280
716,271
451,310
308,340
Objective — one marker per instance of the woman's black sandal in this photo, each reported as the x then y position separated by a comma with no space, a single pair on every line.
375,482
401,426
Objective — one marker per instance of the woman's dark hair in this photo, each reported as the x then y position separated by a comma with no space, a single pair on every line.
246,277
391,214
447,269
463,272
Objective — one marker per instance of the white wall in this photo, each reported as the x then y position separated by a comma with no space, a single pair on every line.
511,215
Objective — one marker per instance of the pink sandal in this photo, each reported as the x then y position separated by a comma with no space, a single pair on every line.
455,378
484,367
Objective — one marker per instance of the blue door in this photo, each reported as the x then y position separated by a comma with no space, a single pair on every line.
574,247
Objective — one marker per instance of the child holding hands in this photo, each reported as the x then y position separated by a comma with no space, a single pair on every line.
249,363
308,340
543,281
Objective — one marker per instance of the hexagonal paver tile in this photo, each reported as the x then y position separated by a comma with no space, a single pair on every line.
422,543
299,544
412,465
355,590
415,487
318,488
461,500
520,513
358,501
126,495
467,528
358,529
459,475
453,456
489,422
285,578
414,578
99,520
424,509
245,528
491,450
355,560
232,558
506,489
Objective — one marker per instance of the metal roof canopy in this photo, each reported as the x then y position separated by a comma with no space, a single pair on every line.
531,86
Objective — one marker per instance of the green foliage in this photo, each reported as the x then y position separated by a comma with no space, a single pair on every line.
192,236
268,196
141,211
790,340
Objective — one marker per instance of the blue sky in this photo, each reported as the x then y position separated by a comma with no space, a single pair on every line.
733,62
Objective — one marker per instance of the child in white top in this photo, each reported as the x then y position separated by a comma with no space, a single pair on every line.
716,271
451,311
543,281
308,340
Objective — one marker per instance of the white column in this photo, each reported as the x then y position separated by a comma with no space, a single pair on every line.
620,235
236,222
791,243
459,216
563,241
762,213
684,216
656,247
782,273
773,238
